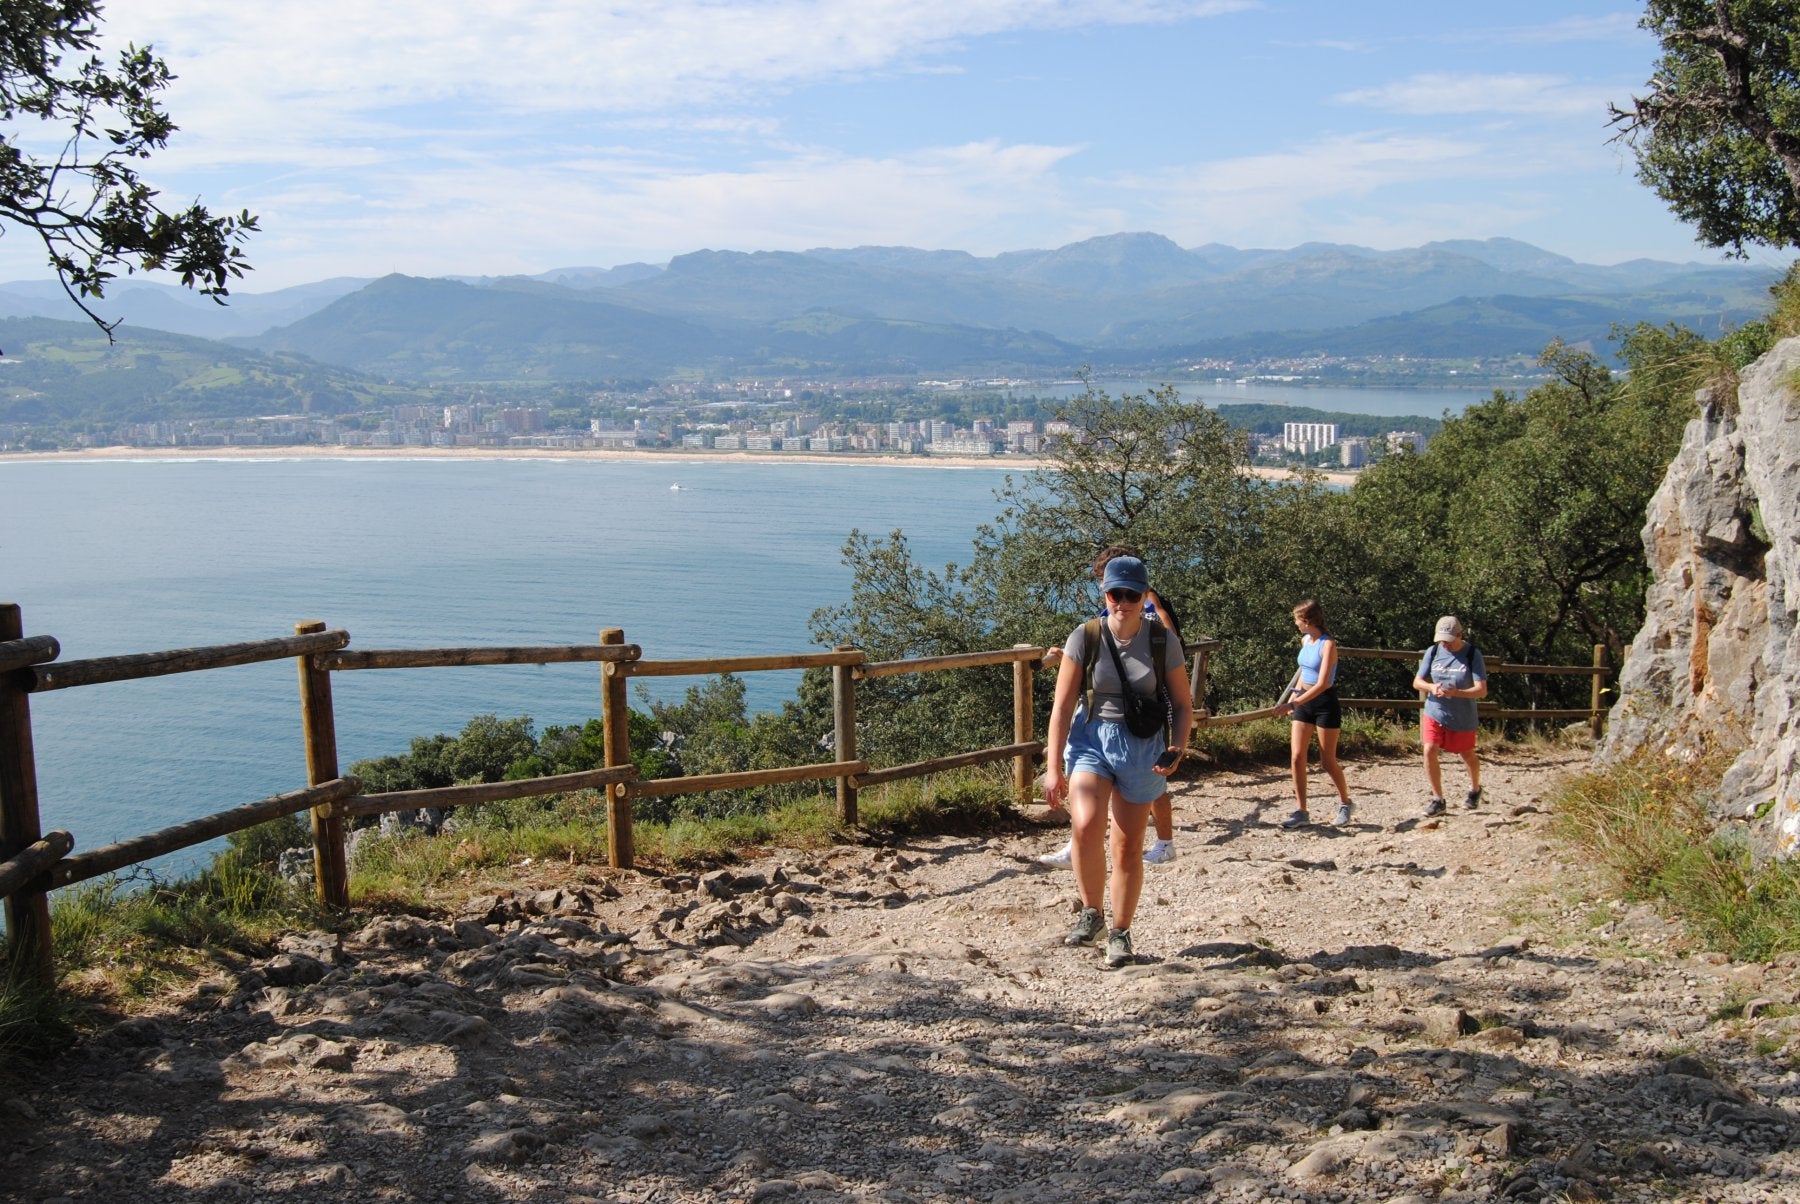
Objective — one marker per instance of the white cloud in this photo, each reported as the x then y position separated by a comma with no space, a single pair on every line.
607,208
1601,27
574,56
1443,93
1383,190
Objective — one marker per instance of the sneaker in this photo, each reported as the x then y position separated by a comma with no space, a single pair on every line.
1062,859
1088,925
1298,819
1342,818
1118,948
1472,800
1434,807
1159,852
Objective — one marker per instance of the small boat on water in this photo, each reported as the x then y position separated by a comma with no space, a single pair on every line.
676,485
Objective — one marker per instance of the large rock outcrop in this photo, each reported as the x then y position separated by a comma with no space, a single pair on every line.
1717,661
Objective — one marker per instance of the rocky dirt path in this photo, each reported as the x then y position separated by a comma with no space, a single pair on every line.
1403,1010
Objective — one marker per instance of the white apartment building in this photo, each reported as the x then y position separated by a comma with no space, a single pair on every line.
1308,437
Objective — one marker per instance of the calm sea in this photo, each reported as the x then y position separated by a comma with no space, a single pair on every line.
136,556
1422,402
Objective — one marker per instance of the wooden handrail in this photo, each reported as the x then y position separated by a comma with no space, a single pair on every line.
703,783
918,769
31,650
436,658
954,660
482,792
33,860
122,853
64,674
708,666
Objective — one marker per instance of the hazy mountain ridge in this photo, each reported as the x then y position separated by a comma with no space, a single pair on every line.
1125,299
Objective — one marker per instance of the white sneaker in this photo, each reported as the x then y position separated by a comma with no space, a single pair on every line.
1159,852
1062,859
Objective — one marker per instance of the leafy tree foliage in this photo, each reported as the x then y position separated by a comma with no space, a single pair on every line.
85,199
488,748
1718,134
1524,514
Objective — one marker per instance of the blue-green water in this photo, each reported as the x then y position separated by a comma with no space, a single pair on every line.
135,556
1423,402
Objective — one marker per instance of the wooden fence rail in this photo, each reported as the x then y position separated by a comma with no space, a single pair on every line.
65,674
119,854
33,860
447,797
16,654
31,863
439,658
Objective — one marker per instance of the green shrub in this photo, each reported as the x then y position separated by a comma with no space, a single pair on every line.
1645,824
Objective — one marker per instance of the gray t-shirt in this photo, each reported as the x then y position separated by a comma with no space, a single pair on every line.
1458,670
1109,697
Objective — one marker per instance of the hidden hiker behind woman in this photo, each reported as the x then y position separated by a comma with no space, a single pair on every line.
1114,739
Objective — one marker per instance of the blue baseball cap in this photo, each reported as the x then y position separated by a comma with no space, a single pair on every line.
1126,572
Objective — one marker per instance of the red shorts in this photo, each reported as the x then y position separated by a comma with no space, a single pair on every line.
1436,733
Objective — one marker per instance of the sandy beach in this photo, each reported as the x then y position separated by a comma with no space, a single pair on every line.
684,455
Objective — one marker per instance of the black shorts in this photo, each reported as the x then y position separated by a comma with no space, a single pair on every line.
1322,711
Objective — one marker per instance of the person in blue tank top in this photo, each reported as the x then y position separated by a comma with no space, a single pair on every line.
1313,702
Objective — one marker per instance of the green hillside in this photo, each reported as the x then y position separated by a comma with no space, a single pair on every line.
55,372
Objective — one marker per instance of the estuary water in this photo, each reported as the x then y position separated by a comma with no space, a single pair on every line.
119,556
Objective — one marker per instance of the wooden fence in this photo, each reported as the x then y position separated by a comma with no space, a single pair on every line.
32,862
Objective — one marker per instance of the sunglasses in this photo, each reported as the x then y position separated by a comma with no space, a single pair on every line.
1124,595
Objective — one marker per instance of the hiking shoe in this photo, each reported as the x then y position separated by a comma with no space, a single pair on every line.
1342,818
1472,800
1159,852
1434,807
1061,859
1118,948
1298,819
1088,925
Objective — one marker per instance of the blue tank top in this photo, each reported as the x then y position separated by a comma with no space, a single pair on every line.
1312,654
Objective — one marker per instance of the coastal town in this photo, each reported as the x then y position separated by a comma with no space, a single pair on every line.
934,419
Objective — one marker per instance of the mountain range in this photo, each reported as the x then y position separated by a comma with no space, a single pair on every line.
1135,302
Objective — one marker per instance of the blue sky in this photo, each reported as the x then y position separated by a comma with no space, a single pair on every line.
515,137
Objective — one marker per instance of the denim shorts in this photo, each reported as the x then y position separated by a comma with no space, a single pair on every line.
1108,750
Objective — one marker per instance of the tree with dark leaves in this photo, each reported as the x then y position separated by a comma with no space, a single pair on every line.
74,130
1718,134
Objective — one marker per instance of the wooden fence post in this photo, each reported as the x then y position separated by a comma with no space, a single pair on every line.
1197,683
1596,721
330,871
29,949
615,722
1024,721
843,720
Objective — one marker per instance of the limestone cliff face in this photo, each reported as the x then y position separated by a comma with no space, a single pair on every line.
1718,658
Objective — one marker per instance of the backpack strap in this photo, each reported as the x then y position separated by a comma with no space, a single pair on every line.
1092,654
